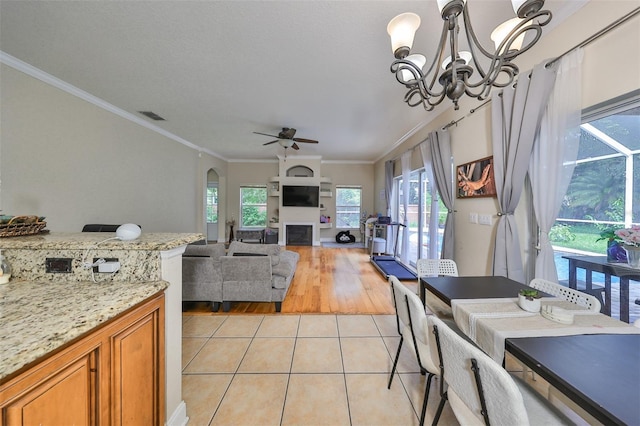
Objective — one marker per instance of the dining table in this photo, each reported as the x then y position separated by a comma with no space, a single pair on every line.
599,372
591,264
486,310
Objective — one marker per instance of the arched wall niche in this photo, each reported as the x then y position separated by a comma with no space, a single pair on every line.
299,171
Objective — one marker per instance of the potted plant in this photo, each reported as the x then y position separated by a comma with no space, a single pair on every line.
529,300
615,251
630,238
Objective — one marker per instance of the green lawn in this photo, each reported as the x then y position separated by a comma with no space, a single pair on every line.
579,237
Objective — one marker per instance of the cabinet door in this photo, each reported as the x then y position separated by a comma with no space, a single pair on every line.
137,367
67,397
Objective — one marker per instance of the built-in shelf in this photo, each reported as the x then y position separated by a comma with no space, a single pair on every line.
326,225
326,194
274,193
274,224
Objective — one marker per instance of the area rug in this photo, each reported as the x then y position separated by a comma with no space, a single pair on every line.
330,244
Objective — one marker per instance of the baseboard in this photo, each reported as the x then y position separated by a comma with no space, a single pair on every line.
179,416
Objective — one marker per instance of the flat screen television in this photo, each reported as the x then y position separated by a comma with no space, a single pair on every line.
300,196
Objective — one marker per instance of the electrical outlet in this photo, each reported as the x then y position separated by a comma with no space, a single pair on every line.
106,259
473,217
485,219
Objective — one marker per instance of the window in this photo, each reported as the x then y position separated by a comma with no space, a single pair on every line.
604,192
253,206
418,215
348,206
212,203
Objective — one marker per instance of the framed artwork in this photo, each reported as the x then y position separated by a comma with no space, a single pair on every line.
475,179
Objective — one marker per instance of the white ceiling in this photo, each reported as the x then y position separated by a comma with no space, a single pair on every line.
219,70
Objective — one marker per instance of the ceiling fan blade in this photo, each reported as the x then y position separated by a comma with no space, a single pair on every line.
265,134
295,146
269,143
304,140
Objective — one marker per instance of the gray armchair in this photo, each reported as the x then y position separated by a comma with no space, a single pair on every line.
201,274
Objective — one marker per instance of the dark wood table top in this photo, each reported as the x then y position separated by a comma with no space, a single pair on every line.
600,264
600,372
450,288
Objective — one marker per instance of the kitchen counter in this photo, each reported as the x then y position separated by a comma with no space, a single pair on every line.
37,318
105,240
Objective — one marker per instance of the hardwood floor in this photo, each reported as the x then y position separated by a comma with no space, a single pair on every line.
327,280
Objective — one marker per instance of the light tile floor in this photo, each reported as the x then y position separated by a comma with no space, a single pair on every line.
300,370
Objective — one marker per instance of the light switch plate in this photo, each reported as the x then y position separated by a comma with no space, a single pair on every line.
485,219
473,217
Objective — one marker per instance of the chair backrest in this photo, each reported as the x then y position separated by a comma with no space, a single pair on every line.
574,296
425,343
435,267
503,400
399,291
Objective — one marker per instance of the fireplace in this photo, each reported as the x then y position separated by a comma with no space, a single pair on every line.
299,235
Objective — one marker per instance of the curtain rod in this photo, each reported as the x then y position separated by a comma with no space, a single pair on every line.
597,35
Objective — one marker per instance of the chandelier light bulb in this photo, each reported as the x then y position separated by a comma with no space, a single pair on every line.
464,55
447,7
402,30
502,32
417,60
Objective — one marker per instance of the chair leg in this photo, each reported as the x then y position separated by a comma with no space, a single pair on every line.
443,400
215,306
426,398
395,362
226,306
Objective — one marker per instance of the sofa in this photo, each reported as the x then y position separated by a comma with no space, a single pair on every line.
202,274
243,273
256,273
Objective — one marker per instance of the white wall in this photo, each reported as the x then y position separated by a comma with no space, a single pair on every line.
75,163
610,69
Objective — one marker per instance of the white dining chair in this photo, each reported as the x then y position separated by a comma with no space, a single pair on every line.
412,326
574,296
481,391
434,268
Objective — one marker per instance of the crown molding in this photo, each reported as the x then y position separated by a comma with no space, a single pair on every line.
47,78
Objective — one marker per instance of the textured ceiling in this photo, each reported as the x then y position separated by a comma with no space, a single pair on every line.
219,70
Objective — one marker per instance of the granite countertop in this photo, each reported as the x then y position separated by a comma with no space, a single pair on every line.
37,318
87,240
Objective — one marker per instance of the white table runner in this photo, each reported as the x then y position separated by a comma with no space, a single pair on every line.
488,322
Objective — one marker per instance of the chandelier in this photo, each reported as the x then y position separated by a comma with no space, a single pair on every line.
458,77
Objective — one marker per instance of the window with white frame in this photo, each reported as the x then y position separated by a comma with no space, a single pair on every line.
253,206
212,203
418,216
348,206
604,192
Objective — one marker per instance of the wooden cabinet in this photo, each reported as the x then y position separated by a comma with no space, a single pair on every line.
114,375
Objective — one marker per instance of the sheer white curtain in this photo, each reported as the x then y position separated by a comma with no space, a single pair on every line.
515,121
405,161
427,161
554,154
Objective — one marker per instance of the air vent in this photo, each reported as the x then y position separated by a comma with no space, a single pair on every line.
152,115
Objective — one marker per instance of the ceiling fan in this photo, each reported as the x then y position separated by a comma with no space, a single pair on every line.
285,138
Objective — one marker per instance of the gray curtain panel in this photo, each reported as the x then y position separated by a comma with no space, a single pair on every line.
515,119
388,183
440,145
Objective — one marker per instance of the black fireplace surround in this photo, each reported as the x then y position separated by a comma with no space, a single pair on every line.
299,235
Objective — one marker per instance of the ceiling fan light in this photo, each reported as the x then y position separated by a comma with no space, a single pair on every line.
402,30
464,55
502,32
417,60
286,143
